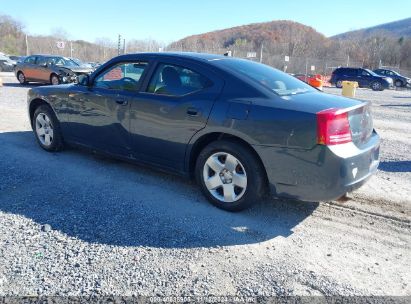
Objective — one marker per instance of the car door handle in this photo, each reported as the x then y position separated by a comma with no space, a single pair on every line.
122,102
192,111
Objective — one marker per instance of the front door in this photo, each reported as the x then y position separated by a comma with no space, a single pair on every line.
173,106
98,115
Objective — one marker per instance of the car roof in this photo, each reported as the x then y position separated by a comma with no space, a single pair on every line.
188,55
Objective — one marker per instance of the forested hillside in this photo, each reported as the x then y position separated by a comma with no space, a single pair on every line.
270,41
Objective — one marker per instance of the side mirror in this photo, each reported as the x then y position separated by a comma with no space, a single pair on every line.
83,80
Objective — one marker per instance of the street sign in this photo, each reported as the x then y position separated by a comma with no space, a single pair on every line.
251,54
287,58
313,68
60,44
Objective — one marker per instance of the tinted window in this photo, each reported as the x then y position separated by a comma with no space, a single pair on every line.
365,73
42,61
176,81
123,76
369,72
350,72
31,59
277,81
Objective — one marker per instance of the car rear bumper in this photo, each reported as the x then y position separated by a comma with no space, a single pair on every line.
321,174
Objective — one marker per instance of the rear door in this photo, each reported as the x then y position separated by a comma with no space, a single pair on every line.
29,67
174,104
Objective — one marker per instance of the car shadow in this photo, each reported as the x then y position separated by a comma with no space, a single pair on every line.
395,166
18,85
397,105
101,200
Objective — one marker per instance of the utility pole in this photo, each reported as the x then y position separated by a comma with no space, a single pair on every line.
119,45
27,46
261,53
124,46
348,60
71,49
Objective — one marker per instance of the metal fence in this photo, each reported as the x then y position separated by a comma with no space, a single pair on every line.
289,64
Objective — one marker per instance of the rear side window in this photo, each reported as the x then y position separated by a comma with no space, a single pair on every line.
349,72
275,80
176,80
31,59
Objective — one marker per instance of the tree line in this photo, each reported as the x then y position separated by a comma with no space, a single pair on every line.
271,41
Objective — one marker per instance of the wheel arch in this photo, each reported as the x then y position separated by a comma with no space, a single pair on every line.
34,104
205,139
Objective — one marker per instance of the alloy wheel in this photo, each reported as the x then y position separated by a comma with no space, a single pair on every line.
22,78
55,80
376,86
225,177
44,129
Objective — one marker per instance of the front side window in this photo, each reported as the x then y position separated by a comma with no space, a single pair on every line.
59,61
31,59
123,76
42,61
176,80
273,79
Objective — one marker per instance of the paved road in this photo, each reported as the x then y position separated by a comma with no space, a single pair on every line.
73,223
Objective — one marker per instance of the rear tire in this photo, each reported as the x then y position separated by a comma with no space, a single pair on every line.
230,175
47,129
338,84
21,78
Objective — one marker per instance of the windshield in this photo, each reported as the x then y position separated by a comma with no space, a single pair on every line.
63,61
80,63
372,73
275,80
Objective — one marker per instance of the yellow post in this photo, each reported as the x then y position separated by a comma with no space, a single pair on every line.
348,88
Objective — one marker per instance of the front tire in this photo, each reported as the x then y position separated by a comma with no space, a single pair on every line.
54,79
376,86
230,175
398,83
338,84
47,129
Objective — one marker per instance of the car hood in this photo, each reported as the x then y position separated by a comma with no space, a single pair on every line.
79,69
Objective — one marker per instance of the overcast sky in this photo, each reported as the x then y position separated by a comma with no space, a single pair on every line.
171,20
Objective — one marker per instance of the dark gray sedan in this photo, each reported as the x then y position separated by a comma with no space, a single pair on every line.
240,128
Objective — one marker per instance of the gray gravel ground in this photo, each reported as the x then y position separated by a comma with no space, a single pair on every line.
73,223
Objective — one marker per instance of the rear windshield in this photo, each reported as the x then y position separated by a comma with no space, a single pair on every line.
275,80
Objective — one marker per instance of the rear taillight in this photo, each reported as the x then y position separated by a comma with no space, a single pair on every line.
333,127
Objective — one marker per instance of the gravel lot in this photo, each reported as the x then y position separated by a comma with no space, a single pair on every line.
73,223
